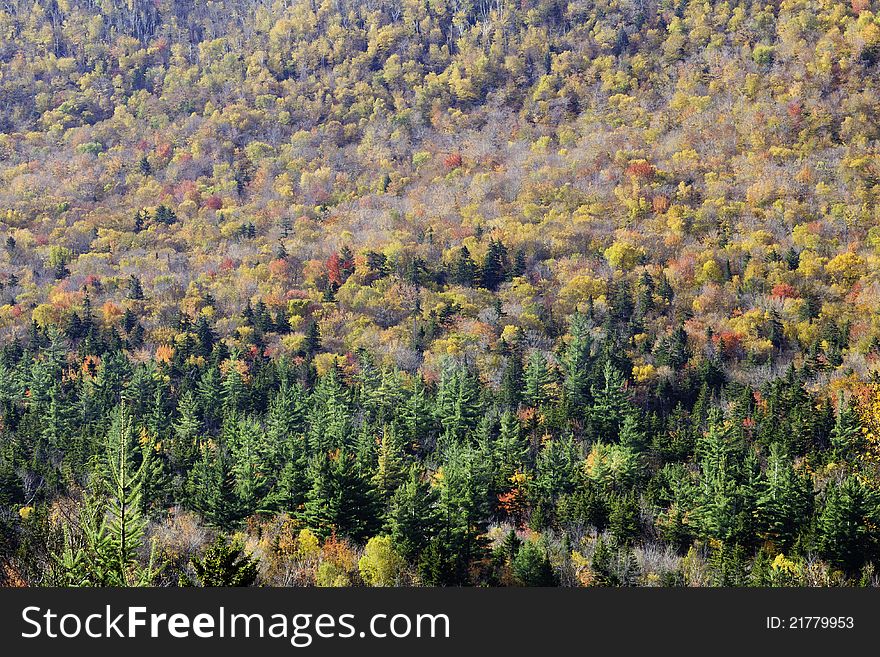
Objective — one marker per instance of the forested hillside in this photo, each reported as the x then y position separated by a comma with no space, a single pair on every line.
439,292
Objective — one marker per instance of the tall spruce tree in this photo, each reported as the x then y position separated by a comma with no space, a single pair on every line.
512,381
496,265
341,499
391,465
510,450
784,499
111,524
414,516
846,535
577,365
610,405
846,436
211,487
186,432
458,400
537,380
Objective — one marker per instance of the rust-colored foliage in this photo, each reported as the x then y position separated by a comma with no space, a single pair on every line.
660,203
784,291
213,202
452,161
641,169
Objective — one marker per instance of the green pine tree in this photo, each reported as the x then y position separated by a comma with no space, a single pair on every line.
577,364
847,535
341,499
510,450
531,566
784,500
186,432
846,436
611,405
414,517
391,466
224,564
537,380
211,487
512,380
112,527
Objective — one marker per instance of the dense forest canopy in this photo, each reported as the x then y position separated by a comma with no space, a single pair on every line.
439,292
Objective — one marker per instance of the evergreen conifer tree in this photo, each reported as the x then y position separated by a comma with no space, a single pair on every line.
341,499
845,533
413,518
224,564
577,364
